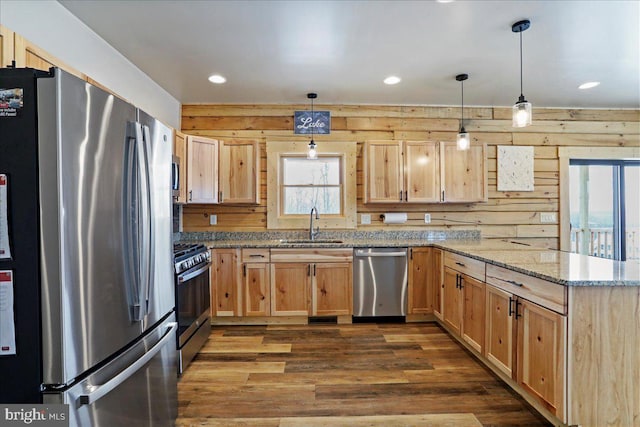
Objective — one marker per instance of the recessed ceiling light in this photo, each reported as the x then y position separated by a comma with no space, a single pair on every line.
445,1
217,79
392,80
588,85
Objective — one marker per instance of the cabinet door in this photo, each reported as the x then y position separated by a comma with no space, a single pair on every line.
437,280
239,172
452,306
422,171
332,289
420,299
499,336
257,292
225,295
383,172
473,319
290,293
180,150
541,355
6,47
464,173
202,170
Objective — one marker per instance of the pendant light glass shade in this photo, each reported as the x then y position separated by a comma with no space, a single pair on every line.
521,109
463,141
312,154
521,114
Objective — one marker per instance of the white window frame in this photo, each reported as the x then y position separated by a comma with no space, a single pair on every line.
346,151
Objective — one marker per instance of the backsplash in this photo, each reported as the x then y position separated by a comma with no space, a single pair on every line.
346,234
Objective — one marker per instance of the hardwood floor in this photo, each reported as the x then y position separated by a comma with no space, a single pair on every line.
344,375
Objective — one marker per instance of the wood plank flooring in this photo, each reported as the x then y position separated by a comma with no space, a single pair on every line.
344,375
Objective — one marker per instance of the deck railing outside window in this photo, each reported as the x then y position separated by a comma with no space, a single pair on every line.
601,242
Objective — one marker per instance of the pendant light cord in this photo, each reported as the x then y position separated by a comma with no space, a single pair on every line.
521,91
462,110
312,120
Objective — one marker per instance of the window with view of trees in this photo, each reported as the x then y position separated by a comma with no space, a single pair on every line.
307,183
296,184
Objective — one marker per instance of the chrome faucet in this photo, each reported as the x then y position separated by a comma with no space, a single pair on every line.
313,233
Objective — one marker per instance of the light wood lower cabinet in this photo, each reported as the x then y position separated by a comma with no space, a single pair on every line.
452,301
473,305
311,282
225,283
527,341
290,289
425,281
541,349
257,292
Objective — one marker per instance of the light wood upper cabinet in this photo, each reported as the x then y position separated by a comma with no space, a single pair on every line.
239,172
384,172
225,283
202,170
180,151
402,171
6,47
464,173
424,172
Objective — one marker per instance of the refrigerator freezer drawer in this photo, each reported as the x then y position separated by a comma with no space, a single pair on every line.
138,388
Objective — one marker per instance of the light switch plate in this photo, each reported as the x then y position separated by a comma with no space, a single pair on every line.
548,217
427,218
365,219
213,219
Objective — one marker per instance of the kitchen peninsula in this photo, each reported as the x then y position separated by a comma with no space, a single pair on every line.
561,329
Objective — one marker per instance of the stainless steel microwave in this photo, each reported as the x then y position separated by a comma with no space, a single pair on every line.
175,177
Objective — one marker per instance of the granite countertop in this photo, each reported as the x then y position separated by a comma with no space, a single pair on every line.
559,267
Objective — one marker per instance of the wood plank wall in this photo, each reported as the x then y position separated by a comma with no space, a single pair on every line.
513,215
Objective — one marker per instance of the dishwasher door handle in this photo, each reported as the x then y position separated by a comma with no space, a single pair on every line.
364,254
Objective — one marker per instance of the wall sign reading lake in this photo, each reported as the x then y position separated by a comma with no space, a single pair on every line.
303,123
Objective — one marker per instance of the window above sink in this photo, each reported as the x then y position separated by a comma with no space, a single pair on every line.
295,186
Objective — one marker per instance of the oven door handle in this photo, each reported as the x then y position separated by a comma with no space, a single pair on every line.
191,274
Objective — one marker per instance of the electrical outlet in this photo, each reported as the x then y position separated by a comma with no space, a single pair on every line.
548,217
365,219
213,219
427,218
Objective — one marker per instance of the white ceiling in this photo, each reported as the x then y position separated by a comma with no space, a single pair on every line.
278,51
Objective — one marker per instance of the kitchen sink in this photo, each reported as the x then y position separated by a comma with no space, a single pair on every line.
309,241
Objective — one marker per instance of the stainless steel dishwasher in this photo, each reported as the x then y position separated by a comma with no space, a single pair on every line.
379,282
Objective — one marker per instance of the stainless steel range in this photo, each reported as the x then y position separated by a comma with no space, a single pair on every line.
191,265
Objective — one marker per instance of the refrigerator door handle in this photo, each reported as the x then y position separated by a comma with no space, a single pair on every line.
104,389
137,228
148,235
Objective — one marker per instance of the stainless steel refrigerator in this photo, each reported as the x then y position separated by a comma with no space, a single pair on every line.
88,207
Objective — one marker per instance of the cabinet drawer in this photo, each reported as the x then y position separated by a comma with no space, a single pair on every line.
255,255
469,266
311,255
550,295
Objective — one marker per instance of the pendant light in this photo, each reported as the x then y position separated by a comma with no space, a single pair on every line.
463,141
522,108
312,154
